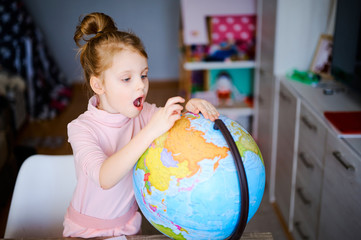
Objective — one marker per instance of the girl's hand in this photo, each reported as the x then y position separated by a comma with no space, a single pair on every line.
115,167
196,105
165,117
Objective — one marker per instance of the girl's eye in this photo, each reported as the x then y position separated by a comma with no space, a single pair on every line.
126,79
144,76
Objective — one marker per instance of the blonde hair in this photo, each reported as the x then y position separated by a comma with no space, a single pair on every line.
102,40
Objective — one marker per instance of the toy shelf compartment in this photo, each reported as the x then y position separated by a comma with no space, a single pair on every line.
242,71
242,111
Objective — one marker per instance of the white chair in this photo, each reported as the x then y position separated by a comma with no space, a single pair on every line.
42,193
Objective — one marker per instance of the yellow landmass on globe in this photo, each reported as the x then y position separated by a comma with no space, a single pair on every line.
159,174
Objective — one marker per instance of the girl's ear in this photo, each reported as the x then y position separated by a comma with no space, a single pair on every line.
97,85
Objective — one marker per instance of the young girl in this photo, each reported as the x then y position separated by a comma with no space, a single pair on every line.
108,139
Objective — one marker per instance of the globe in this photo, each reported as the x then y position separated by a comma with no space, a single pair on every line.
186,182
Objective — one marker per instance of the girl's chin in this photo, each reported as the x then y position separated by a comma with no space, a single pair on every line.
135,113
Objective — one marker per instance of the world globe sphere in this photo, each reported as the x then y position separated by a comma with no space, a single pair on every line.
186,182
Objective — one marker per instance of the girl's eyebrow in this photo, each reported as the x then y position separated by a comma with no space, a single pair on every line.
124,73
130,71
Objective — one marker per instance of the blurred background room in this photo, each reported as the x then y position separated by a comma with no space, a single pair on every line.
288,71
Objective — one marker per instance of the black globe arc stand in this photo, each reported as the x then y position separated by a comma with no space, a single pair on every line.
242,178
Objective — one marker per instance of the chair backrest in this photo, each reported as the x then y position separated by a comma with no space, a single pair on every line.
42,193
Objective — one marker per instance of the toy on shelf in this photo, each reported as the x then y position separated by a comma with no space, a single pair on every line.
224,88
231,38
224,51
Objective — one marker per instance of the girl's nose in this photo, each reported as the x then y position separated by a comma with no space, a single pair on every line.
140,83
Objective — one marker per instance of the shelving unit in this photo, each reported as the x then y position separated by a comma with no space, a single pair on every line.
193,33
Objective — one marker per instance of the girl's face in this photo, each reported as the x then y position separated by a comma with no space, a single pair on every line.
125,84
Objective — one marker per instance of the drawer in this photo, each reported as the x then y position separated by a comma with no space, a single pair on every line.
302,228
307,193
312,133
341,192
307,204
309,171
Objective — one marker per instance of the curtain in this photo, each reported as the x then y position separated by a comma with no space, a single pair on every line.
23,52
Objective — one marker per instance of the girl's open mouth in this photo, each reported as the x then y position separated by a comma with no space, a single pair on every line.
138,102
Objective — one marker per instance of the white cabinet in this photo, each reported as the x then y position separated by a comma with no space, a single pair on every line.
312,136
287,115
341,194
301,183
318,174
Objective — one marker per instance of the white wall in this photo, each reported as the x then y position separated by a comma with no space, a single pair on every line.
299,24
156,22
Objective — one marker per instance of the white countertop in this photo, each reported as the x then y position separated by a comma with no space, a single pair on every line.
341,99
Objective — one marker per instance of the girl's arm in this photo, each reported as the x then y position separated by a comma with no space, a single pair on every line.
116,166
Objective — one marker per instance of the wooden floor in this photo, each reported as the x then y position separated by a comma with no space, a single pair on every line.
50,137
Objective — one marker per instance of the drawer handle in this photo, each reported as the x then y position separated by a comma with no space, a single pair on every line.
304,160
299,230
285,97
302,196
308,124
261,71
346,165
260,100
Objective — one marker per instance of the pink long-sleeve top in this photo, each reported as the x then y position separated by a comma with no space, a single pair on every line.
94,136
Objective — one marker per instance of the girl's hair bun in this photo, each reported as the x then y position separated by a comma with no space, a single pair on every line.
93,24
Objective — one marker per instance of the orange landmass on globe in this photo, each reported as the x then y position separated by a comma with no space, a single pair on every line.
191,147
187,147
